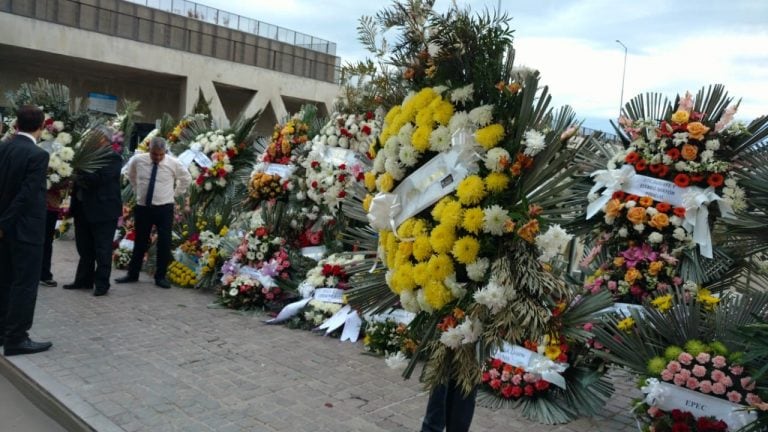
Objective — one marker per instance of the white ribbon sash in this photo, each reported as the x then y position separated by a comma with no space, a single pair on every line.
283,171
314,252
667,397
531,362
263,279
400,316
329,295
197,156
425,186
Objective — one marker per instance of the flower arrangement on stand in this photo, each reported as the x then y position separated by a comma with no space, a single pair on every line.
467,238
355,132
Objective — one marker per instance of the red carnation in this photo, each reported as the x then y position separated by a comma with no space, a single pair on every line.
632,158
342,178
682,180
343,166
619,195
679,212
663,207
715,180
368,115
663,171
674,153
366,129
640,166
342,194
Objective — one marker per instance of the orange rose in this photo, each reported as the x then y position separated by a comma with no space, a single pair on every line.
618,261
659,221
680,117
645,201
689,152
613,208
632,275
655,267
528,231
636,215
696,130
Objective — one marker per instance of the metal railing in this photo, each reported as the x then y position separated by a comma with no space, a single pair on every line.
233,21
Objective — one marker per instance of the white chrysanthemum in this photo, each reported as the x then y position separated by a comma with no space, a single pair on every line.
482,115
392,146
493,296
54,178
344,142
408,155
655,237
679,234
462,94
440,139
460,120
706,156
712,145
63,138
533,142
66,153
552,242
423,303
451,338
46,136
623,232
409,302
496,159
630,204
675,221
681,166
494,219
396,361
405,132
464,333
476,270
651,211
394,168
378,162
639,227
65,170
58,125
457,288
332,141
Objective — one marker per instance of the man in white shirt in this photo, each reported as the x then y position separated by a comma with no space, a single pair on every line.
156,178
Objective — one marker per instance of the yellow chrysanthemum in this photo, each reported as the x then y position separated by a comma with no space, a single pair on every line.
385,182
421,99
424,118
471,190
421,274
404,252
437,295
391,249
422,249
663,303
420,138
367,202
465,249
443,111
405,229
393,112
705,297
452,214
419,227
437,210
442,238
496,182
473,220
440,266
627,324
370,181
490,136
402,279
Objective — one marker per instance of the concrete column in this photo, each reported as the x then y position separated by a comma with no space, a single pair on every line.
191,91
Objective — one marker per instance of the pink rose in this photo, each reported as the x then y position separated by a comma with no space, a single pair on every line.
699,371
667,375
717,375
753,399
705,386
680,380
727,381
734,396
692,383
673,366
703,358
718,362
685,358
612,285
748,383
737,370
494,373
718,388
588,327
517,379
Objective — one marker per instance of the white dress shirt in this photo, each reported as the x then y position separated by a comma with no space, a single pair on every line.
172,178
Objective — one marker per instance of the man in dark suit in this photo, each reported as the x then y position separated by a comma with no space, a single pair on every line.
23,169
96,204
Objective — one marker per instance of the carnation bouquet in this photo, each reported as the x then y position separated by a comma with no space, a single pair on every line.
470,192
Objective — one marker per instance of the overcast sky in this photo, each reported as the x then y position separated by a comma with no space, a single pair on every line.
672,46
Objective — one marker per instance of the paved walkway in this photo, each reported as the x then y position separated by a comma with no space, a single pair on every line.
148,359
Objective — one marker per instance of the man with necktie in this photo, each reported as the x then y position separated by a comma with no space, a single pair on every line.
96,204
23,168
156,178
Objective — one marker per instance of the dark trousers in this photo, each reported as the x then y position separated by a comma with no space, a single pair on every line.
19,276
449,409
94,245
144,218
51,216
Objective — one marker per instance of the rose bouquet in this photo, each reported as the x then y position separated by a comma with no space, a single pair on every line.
678,420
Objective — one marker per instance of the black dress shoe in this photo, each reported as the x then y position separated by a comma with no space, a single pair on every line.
127,279
27,346
74,286
163,283
98,292
48,283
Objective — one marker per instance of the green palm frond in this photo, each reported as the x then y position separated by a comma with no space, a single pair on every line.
90,154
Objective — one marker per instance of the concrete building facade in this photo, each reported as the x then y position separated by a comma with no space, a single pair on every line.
163,57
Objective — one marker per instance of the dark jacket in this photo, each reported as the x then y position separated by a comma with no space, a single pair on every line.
23,169
96,196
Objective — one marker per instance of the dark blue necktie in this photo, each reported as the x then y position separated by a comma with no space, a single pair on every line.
151,187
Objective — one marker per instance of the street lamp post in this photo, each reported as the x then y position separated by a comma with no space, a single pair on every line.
623,74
